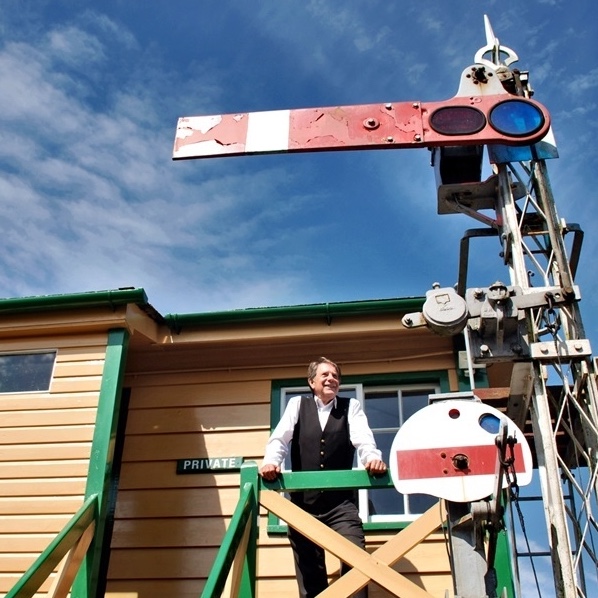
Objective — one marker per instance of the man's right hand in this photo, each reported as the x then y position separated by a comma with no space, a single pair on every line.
269,472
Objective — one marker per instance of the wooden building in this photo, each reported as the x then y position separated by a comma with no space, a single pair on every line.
101,394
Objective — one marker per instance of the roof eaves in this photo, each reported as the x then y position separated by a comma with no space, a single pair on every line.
178,322
111,298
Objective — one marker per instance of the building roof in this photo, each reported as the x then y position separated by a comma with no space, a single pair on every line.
138,297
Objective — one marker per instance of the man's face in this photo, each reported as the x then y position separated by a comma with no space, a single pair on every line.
325,383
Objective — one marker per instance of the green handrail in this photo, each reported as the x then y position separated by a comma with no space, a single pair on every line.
49,559
230,544
327,480
246,513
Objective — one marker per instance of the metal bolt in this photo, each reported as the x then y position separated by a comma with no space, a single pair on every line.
390,139
578,347
543,348
417,137
371,123
569,293
388,106
484,349
407,321
461,461
415,105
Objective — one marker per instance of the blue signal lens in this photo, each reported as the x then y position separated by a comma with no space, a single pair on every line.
516,118
457,120
490,423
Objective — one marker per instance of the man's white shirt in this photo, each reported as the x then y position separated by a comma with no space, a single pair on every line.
361,435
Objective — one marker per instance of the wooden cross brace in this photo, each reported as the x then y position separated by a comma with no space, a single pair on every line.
376,566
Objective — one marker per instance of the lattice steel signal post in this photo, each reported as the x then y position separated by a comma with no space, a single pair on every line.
536,328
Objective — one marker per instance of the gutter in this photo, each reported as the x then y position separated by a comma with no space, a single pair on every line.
176,322
296,312
41,303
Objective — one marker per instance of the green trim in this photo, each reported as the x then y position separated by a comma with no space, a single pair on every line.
75,301
502,565
250,476
332,480
245,513
354,478
41,569
124,296
505,561
325,311
275,388
100,464
281,529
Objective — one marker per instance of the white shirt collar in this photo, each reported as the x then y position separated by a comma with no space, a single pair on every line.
324,407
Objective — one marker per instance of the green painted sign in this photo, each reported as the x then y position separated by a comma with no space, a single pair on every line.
209,465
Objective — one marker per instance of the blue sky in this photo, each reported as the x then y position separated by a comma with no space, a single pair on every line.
91,93
91,199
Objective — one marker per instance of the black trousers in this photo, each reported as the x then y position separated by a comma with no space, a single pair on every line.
310,565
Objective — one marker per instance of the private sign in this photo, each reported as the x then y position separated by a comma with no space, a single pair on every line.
209,465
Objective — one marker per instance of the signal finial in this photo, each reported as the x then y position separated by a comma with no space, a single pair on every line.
499,55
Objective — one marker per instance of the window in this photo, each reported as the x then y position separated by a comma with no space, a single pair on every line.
387,407
26,372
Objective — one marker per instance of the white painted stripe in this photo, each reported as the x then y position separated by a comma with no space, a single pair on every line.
268,131
210,147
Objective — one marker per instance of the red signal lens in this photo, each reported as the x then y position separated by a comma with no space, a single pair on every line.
457,120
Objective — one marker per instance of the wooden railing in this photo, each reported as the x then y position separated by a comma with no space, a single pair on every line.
72,542
234,571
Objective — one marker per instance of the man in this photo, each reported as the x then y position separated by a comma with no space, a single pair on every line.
323,432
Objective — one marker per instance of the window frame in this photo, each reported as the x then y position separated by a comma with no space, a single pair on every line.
438,379
24,353
363,504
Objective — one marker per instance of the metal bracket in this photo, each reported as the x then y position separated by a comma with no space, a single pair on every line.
576,349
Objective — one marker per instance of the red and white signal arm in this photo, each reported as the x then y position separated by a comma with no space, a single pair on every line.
448,450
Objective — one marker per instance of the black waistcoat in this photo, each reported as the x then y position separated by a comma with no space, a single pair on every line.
314,449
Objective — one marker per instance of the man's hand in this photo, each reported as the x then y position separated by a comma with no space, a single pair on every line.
376,467
269,472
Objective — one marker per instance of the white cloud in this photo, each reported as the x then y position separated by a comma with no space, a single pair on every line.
75,47
95,202
87,119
